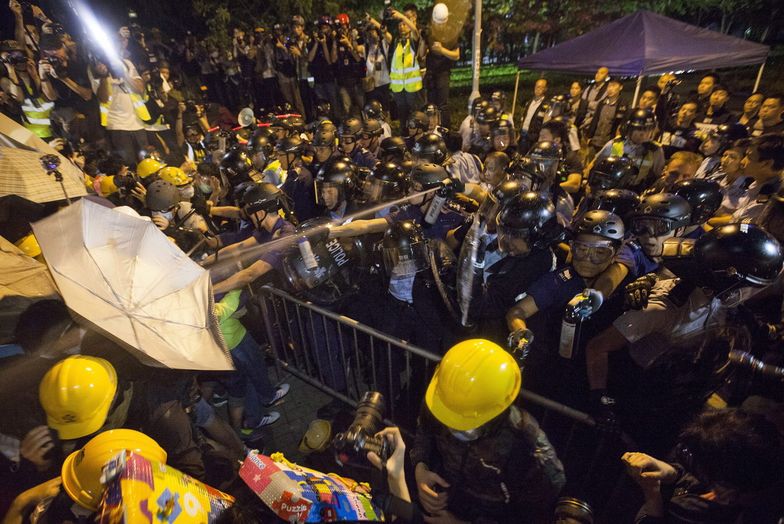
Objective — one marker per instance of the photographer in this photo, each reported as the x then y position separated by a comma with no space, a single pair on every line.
123,113
405,74
24,85
350,67
727,469
322,56
286,55
477,454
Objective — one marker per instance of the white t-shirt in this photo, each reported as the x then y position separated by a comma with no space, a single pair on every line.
121,115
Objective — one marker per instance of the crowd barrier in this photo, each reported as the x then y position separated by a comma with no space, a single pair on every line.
345,358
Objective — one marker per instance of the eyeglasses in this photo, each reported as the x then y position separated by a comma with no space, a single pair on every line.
596,253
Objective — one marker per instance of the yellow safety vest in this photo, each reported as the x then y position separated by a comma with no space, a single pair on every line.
37,113
405,73
138,106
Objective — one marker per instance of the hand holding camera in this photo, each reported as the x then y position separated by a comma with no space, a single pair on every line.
46,70
36,447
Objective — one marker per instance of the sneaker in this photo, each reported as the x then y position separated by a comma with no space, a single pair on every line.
281,392
267,420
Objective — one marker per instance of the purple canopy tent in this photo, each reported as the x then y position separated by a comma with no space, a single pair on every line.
645,43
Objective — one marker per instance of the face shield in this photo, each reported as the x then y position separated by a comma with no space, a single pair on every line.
512,241
488,211
591,258
376,190
546,168
259,160
405,261
329,194
326,281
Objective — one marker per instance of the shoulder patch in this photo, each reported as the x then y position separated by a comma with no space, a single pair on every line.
565,274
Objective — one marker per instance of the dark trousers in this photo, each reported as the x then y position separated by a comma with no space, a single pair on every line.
127,144
437,84
406,104
328,91
252,374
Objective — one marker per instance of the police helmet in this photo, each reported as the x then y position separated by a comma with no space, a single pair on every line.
612,172
430,147
601,223
530,216
704,197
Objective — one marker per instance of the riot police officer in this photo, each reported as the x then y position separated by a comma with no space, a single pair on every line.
336,183
349,135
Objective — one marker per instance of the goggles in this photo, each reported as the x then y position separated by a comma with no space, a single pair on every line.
596,252
654,227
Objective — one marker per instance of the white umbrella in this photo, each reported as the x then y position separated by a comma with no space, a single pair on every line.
120,273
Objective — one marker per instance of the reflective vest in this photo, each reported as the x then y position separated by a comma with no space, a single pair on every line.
36,116
404,73
138,106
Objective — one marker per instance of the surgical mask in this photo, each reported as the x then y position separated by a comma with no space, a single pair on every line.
205,188
168,215
187,193
466,436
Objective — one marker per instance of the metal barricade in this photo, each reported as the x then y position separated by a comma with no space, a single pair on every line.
345,358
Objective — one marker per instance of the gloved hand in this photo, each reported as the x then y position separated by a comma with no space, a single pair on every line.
450,187
586,303
636,293
602,409
519,343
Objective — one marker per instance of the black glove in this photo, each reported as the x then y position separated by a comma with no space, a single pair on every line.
602,409
636,293
450,187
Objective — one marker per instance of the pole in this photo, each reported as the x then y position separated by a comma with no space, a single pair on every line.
477,51
514,98
759,77
637,90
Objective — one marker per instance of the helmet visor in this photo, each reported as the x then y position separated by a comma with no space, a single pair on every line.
375,190
511,240
329,194
489,208
545,167
404,261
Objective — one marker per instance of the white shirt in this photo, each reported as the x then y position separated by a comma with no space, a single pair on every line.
533,107
377,63
121,116
466,130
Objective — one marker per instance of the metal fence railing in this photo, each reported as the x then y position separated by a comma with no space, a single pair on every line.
345,358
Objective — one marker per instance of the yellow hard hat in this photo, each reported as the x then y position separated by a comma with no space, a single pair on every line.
76,394
105,185
81,471
474,383
174,176
317,437
29,245
149,166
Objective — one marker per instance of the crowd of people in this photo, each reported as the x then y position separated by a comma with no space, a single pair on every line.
612,255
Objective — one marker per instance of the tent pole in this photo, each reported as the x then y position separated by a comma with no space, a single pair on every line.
759,77
637,90
514,97
477,51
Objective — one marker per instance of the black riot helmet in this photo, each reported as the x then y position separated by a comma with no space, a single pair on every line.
559,105
392,148
296,124
729,133
529,217
338,173
660,213
739,255
324,138
404,249
600,223
261,148
502,135
323,109
431,148
290,144
349,132
498,100
417,122
622,202
612,172
320,268
372,129
487,115
704,196
641,119
502,193
236,164
387,182
373,109
477,104
262,197
161,196
327,125
546,157
427,176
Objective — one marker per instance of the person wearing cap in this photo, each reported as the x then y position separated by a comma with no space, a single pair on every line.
477,453
441,56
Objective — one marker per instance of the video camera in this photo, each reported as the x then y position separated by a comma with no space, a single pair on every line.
388,11
360,437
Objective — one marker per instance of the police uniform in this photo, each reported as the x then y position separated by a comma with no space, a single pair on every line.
363,158
447,220
300,189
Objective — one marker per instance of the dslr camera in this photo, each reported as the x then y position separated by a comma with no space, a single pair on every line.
360,437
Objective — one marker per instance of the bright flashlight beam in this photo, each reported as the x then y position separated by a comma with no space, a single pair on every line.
95,31
225,267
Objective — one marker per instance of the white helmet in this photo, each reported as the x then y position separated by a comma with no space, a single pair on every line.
440,13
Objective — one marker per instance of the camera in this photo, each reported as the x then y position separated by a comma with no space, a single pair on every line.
126,183
16,58
388,12
50,162
360,437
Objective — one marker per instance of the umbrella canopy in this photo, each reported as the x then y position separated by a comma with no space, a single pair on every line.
120,273
645,43
21,174
23,281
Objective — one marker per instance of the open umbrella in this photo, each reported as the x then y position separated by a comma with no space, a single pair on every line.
23,281
21,173
120,273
